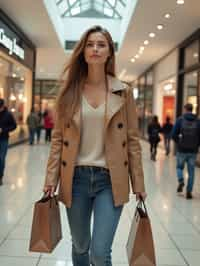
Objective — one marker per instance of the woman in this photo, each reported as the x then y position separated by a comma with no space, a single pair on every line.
94,148
48,125
166,131
154,129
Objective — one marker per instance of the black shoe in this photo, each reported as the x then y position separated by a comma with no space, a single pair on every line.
180,187
189,195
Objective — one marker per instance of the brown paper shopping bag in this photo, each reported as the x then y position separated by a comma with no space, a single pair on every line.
46,225
140,245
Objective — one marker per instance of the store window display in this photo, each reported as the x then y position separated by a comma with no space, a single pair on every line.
15,88
190,89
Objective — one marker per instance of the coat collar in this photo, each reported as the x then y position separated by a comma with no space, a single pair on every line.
114,102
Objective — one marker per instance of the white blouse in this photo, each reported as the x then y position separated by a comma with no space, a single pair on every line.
92,143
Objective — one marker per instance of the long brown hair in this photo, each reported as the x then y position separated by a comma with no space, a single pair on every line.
75,74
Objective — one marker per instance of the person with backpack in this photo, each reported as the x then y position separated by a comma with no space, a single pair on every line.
186,134
154,129
166,131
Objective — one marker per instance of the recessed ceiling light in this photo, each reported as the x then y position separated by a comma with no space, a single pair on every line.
137,56
142,48
159,26
141,51
146,42
152,35
167,15
132,60
180,2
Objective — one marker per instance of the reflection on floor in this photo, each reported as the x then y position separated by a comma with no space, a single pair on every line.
175,220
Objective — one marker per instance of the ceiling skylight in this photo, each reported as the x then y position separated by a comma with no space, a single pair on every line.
89,8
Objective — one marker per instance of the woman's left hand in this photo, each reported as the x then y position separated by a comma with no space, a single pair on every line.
140,195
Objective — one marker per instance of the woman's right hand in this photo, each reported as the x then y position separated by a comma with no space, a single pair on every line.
49,190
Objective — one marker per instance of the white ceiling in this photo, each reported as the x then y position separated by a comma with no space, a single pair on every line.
185,19
32,18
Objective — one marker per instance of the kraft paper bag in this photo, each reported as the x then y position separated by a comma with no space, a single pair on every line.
46,225
140,244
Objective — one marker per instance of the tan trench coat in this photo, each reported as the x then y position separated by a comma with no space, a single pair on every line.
122,148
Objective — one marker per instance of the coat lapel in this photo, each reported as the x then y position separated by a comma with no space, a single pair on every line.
114,101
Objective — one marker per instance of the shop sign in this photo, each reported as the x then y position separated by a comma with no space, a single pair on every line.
11,44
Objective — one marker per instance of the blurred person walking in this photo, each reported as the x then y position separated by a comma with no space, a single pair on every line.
167,131
186,134
95,148
7,124
154,129
48,125
33,122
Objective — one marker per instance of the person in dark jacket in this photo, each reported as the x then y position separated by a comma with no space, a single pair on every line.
166,131
7,124
33,123
154,129
186,134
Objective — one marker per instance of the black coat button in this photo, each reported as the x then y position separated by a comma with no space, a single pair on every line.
125,163
66,143
120,125
124,143
64,163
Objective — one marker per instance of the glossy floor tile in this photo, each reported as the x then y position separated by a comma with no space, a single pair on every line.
175,220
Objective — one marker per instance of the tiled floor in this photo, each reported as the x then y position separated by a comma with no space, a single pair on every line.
175,220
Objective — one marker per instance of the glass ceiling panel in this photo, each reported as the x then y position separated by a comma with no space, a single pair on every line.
107,8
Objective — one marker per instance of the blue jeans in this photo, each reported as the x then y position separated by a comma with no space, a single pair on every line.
92,192
3,152
190,159
32,132
167,140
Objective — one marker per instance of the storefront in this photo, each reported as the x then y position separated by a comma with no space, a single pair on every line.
143,94
189,73
45,92
165,87
17,68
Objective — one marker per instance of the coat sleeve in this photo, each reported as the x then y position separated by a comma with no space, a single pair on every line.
54,161
134,148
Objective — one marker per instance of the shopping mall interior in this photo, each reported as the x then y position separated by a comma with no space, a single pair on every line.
157,50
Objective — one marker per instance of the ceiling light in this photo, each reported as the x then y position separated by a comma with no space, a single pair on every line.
132,60
180,2
159,26
141,48
152,35
167,15
12,97
141,51
137,56
146,42
168,87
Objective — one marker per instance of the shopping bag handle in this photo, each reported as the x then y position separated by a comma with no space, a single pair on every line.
47,197
142,209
